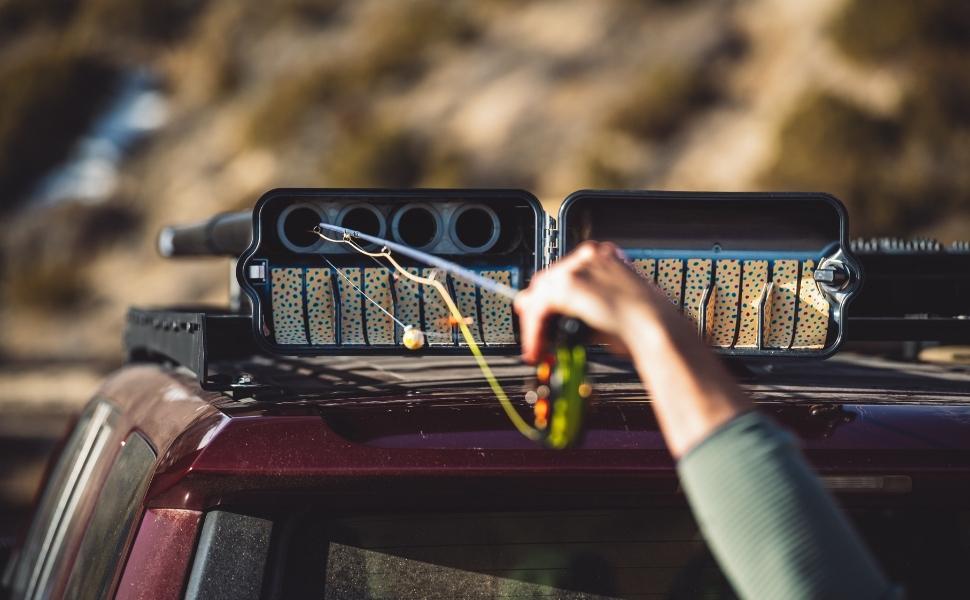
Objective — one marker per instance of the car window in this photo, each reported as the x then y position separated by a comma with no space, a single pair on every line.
56,514
574,554
114,514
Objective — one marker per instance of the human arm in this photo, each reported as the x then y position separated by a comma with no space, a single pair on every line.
774,529
692,391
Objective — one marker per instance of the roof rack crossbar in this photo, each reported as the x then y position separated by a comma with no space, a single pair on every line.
191,339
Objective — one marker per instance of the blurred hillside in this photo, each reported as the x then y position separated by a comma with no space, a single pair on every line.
866,99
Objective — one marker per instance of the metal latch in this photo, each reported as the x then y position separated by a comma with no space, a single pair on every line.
833,275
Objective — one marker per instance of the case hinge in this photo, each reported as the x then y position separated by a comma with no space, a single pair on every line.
551,244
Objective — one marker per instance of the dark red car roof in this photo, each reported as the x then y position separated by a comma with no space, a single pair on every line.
352,425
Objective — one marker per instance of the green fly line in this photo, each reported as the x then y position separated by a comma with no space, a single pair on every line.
520,424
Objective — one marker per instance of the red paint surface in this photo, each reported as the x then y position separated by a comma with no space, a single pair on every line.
457,451
158,565
390,445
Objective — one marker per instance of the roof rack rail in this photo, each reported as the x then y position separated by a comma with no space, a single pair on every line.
915,290
192,338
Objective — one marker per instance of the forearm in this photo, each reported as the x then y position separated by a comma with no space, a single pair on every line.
775,531
692,393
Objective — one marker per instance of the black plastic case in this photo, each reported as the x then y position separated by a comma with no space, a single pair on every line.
743,225
705,226
268,249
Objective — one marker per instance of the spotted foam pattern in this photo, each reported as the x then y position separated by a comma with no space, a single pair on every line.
727,282
320,306
646,267
698,278
287,301
407,301
497,325
670,273
812,325
436,316
781,318
351,303
754,278
380,326
466,297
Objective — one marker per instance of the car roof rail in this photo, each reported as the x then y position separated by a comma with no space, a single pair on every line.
194,338
915,290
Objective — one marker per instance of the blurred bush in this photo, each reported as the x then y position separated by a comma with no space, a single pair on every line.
48,95
17,15
59,61
384,154
877,30
664,99
380,155
829,144
140,21
133,20
54,276
394,53
617,93
902,172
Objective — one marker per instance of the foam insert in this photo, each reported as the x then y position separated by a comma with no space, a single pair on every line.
437,318
754,285
727,284
670,276
695,286
646,267
466,297
380,326
733,293
497,322
407,298
320,306
811,327
323,306
288,315
351,307
784,291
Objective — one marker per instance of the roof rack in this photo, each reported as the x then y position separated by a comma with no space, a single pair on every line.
193,338
914,291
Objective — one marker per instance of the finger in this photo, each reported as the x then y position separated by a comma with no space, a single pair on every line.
532,327
544,298
521,305
614,251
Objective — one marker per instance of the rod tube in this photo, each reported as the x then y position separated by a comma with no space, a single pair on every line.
226,234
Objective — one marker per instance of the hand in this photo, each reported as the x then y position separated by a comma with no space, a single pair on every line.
691,391
597,285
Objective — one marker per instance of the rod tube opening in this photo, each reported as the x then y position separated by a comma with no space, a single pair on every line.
475,228
417,225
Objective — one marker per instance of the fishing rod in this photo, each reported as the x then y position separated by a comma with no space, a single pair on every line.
561,375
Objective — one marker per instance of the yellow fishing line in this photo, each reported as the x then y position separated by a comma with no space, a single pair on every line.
520,424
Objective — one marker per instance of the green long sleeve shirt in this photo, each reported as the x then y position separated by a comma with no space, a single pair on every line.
773,528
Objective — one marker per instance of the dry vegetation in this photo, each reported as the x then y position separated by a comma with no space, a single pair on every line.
552,95
663,100
904,171
48,94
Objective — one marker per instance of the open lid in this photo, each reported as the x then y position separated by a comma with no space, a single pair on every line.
761,274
